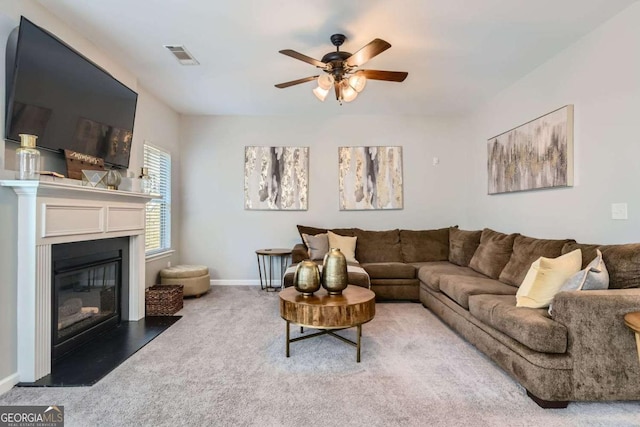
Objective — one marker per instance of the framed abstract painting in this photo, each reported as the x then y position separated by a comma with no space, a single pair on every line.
276,178
370,178
535,155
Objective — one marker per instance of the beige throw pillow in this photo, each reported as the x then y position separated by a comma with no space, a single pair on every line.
347,245
545,278
317,245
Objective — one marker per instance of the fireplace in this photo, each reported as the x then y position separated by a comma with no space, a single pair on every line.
89,279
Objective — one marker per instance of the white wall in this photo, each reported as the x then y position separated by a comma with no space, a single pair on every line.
219,233
154,122
600,75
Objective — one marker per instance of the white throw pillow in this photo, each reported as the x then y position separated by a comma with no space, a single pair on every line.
545,278
346,244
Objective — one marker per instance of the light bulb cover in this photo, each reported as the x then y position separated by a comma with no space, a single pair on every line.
325,81
348,93
358,82
320,93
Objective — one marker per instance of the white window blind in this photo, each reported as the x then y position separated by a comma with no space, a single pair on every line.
158,214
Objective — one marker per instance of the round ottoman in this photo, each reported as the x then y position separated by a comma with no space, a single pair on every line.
194,278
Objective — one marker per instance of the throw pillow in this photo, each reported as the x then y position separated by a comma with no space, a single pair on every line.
545,278
347,245
594,277
317,245
493,253
462,245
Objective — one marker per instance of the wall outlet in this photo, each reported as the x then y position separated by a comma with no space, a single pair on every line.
619,211
168,264
436,161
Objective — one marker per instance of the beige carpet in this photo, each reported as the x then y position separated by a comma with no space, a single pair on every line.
223,364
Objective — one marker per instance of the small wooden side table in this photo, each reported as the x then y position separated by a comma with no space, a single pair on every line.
632,320
268,260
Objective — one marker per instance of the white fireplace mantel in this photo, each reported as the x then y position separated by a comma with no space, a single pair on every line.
49,213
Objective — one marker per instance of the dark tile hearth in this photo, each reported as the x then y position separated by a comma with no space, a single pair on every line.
89,363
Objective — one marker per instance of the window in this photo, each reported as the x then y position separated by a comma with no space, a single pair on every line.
158,215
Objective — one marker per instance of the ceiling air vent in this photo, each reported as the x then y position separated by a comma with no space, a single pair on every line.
182,55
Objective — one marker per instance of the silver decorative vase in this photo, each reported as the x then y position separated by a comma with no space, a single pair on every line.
334,272
306,279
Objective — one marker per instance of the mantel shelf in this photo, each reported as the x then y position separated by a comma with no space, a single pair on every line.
72,189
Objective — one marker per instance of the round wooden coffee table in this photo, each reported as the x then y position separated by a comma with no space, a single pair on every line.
329,313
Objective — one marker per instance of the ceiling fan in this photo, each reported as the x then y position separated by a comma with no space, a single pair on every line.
341,70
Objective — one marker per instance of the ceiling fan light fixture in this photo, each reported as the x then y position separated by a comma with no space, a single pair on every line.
325,81
320,93
348,93
357,82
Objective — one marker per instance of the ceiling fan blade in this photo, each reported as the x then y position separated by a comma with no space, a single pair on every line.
374,48
390,76
304,58
296,82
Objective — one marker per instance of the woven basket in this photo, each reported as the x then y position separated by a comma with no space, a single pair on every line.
163,300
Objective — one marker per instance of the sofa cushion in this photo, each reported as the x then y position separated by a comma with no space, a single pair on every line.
317,245
378,246
462,245
623,263
493,253
430,272
346,244
545,278
425,245
532,327
460,288
389,270
588,251
525,251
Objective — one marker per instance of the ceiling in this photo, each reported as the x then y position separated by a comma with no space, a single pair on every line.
458,52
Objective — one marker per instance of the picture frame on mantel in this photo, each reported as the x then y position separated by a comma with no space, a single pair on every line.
533,156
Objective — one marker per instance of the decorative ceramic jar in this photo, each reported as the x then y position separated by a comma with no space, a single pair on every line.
307,278
27,158
113,179
334,272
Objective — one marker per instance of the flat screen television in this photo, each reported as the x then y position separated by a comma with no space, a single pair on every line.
65,99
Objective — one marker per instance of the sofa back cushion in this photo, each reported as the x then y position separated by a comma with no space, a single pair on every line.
312,231
493,253
622,261
378,246
462,245
526,250
424,245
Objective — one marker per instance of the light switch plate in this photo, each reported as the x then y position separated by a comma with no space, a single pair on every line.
619,211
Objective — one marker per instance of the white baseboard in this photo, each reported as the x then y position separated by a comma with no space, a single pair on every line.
7,383
235,282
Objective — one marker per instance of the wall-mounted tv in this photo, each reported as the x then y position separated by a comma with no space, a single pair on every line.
67,100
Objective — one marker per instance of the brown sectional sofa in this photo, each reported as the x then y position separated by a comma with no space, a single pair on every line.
470,278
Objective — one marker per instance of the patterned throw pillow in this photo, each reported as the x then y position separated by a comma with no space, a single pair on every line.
595,276
317,245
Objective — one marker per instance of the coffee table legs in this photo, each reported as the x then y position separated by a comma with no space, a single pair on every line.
331,332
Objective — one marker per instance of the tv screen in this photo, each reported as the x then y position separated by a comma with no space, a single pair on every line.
69,102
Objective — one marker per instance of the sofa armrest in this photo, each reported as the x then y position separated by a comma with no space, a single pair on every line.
299,253
603,349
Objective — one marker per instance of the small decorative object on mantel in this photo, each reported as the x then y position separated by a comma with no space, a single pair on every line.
27,158
145,180
113,179
535,155
94,178
334,272
77,162
306,279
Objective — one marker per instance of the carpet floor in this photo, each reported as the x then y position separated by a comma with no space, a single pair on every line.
223,364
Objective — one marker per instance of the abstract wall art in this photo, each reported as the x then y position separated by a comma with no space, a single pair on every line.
276,178
535,155
370,178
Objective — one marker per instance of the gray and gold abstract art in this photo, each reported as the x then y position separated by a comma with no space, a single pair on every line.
276,178
370,178
538,154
